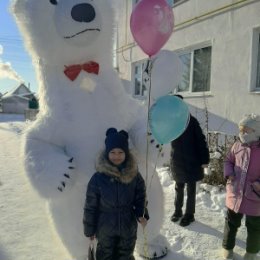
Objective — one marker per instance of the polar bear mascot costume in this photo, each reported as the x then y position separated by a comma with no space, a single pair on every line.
70,42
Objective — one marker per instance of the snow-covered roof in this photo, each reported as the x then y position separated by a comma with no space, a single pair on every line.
15,97
20,90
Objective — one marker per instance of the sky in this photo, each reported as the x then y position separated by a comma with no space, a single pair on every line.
29,234
15,63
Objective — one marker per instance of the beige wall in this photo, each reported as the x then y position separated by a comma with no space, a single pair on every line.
230,31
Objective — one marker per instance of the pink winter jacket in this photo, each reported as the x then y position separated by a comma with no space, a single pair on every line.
243,162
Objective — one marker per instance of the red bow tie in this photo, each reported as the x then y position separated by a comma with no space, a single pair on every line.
73,71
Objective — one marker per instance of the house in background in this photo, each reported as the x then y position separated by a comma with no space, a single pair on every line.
17,100
219,45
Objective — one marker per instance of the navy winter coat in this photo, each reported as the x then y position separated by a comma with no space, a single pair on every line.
188,153
114,200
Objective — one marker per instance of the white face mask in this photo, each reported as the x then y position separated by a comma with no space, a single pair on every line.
247,138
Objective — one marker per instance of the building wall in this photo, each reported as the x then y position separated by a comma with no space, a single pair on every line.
13,106
230,31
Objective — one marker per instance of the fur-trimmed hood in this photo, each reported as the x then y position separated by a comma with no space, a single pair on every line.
125,176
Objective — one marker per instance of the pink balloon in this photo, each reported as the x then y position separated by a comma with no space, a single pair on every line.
151,24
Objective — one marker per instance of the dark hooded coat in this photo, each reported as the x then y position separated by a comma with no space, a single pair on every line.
188,153
114,201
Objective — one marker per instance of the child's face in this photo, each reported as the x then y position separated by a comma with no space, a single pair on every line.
116,156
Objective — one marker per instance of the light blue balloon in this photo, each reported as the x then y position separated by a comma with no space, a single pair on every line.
168,118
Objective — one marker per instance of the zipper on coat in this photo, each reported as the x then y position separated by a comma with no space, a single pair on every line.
117,203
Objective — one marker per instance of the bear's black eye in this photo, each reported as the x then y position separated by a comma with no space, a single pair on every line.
54,2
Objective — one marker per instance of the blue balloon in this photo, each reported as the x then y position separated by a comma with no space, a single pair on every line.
168,118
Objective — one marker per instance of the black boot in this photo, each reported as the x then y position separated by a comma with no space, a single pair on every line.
176,216
187,219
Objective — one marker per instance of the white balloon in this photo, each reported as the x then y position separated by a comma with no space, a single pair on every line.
166,73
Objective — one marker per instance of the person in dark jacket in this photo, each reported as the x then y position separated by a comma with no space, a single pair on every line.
115,200
33,103
189,157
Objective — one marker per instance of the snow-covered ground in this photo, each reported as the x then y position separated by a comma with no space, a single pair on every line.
26,232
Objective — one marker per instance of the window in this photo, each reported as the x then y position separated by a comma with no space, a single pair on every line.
255,65
175,1
196,71
139,77
134,2
258,65
170,2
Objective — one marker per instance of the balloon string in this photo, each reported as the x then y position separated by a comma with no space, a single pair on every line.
154,170
148,69
149,72
145,247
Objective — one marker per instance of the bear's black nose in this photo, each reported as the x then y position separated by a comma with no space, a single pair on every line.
83,13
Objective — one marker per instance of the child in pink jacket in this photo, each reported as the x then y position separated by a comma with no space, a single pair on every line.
242,171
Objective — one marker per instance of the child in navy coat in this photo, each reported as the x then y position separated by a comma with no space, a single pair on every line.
115,200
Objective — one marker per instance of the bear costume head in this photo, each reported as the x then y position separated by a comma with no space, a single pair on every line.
77,30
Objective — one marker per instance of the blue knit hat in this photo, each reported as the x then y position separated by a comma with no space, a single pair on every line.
115,139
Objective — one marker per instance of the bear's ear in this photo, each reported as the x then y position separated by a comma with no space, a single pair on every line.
110,131
124,133
54,2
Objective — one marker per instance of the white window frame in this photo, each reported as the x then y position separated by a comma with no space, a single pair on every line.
115,46
191,50
134,64
255,61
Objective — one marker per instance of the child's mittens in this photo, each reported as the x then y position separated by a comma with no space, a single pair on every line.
230,178
67,177
142,221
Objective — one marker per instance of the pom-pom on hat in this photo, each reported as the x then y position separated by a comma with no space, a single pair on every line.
252,121
115,139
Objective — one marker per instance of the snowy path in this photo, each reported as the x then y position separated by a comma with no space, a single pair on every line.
203,238
26,233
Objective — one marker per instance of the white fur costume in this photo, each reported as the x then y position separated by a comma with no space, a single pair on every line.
75,114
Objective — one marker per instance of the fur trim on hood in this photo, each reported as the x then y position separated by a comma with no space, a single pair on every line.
127,174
